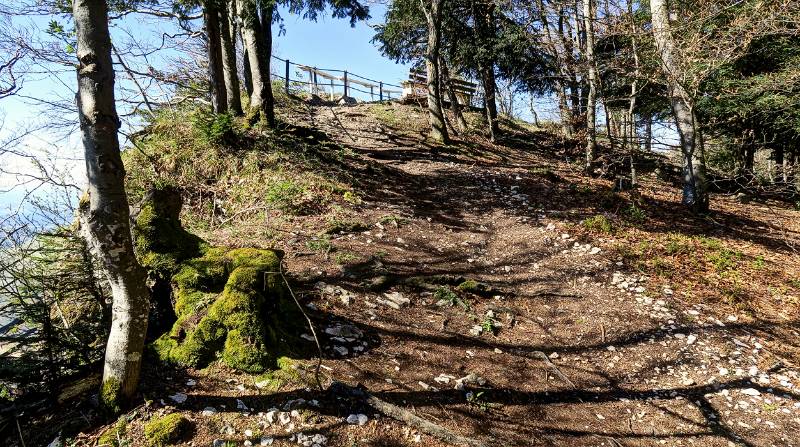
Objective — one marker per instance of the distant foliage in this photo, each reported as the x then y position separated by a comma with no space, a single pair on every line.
59,313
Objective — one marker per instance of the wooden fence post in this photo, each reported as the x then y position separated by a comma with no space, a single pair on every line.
380,92
287,76
345,84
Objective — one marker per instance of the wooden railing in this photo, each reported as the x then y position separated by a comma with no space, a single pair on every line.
333,83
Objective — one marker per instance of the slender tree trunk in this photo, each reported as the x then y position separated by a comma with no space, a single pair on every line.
216,77
695,194
632,135
591,101
105,217
780,159
228,38
455,107
258,54
433,16
485,30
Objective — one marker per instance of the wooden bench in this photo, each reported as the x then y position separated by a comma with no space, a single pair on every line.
416,87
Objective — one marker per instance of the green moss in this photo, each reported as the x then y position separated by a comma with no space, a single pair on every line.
114,436
286,373
469,286
110,397
247,322
166,430
161,243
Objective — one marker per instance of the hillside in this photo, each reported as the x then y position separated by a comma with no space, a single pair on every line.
489,288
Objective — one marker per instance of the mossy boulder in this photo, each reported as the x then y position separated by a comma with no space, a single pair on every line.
166,430
115,435
161,242
229,304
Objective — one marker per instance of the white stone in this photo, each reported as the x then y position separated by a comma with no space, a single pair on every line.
751,392
179,397
357,419
209,411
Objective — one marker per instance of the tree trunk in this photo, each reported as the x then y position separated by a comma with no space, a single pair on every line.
591,100
258,54
485,30
216,77
648,133
105,217
433,17
455,107
695,194
228,38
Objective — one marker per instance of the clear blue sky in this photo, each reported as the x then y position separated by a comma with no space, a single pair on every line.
326,43
332,43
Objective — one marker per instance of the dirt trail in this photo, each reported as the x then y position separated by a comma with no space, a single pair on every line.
649,369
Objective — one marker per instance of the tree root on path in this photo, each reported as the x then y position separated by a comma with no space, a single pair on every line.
553,368
360,394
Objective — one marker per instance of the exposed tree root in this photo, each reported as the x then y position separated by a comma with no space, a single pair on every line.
393,411
553,368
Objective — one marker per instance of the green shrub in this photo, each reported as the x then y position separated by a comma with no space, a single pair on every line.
598,223
215,128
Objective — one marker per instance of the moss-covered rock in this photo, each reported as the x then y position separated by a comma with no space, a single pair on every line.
165,430
115,435
161,242
229,304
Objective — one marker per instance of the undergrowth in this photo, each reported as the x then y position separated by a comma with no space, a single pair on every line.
229,170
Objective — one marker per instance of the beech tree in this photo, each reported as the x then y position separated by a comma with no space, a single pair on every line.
695,194
433,18
105,216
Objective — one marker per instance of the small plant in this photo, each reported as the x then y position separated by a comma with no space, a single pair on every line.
759,262
636,214
445,296
489,325
477,400
599,223
351,197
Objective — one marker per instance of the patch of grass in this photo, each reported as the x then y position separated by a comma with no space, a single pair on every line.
351,197
339,226
286,195
393,220
598,223
724,259
759,262
321,244
345,257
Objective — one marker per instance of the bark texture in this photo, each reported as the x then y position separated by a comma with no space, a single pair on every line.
433,17
591,101
258,47
228,37
695,194
485,30
455,106
105,218
216,77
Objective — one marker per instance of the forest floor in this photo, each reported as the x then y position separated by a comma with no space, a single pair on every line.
659,328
